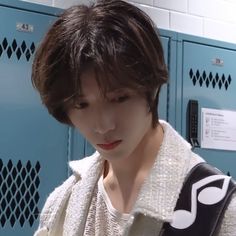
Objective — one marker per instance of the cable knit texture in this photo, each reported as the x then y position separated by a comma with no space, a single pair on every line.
67,209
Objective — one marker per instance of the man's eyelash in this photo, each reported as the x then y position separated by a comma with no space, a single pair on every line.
121,98
81,105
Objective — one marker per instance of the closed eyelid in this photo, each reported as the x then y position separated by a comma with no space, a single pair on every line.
80,100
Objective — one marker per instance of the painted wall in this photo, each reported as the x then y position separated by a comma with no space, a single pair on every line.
208,18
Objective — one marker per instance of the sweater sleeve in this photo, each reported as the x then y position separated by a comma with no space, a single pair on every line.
53,208
228,227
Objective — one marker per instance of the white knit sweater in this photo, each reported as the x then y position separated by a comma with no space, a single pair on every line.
67,208
103,218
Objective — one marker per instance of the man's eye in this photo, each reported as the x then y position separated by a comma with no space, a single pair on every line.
121,99
81,105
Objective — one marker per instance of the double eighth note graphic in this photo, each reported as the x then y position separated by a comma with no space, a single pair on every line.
208,196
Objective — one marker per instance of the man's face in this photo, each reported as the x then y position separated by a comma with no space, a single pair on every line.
115,124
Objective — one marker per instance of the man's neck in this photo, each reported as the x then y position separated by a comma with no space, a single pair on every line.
123,179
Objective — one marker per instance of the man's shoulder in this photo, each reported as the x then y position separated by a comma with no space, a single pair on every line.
55,201
62,192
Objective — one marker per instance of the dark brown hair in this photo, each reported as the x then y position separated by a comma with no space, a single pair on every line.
114,38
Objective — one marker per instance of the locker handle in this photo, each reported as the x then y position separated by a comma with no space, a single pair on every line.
192,123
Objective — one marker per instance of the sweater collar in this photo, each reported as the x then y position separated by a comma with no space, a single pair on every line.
158,195
160,191
88,171
82,168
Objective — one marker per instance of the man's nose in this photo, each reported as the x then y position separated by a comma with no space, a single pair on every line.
104,121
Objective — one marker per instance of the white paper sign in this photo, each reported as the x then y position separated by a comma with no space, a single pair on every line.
218,129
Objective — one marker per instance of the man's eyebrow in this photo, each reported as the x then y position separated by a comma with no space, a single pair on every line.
110,91
121,89
80,96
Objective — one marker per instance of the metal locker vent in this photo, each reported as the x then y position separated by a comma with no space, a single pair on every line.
210,80
19,193
20,49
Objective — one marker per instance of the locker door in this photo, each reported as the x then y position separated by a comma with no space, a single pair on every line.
208,76
33,146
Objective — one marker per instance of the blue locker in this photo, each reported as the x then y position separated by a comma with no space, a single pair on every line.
167,101
206,73
33,146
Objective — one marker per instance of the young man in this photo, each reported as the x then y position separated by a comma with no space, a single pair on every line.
100,69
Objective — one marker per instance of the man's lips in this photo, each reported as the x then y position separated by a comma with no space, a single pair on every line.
109,146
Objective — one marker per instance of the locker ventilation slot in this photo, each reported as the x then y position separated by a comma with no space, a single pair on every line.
20,49
210,80
19,193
